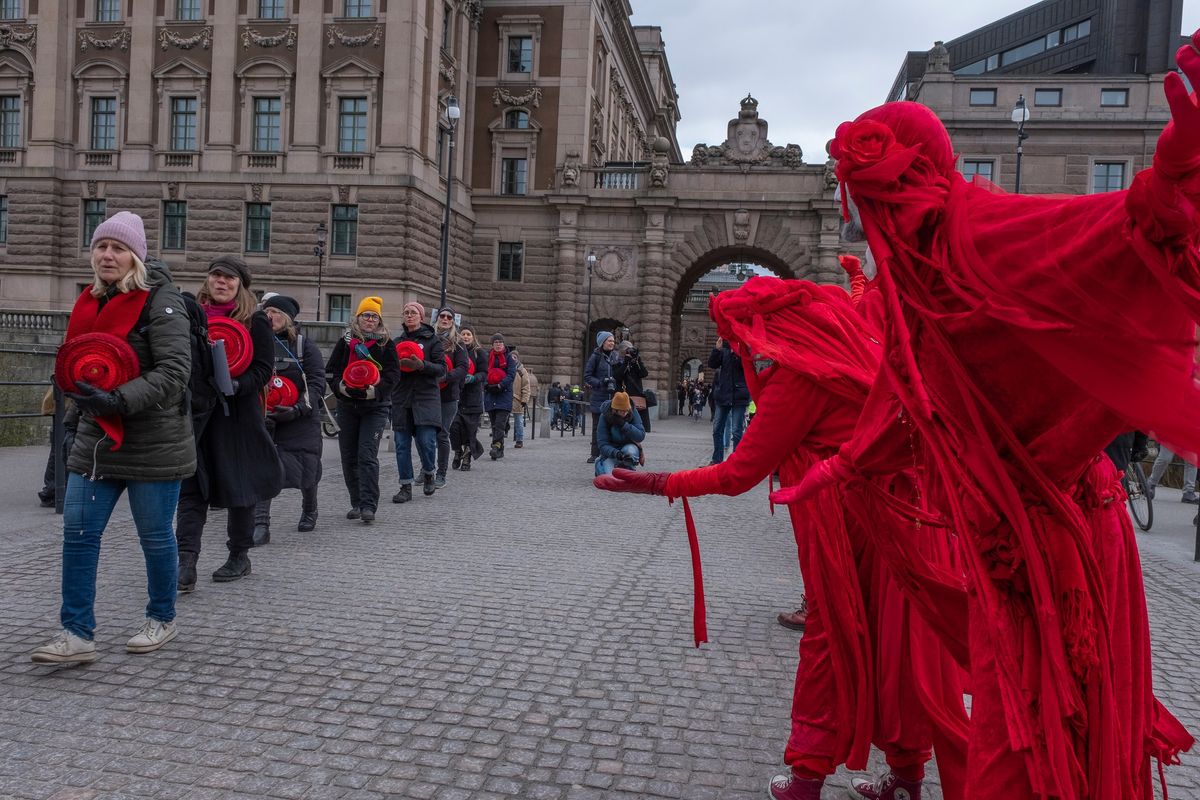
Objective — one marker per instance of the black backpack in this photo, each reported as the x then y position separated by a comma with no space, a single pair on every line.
201,396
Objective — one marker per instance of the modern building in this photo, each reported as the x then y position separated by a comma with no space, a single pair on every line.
1089,73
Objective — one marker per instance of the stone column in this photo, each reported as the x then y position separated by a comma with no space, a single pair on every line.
52,114
224,106
571,258
653,332
403,81
308,101
140,104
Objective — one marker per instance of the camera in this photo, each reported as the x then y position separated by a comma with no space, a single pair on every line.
632,352
610,385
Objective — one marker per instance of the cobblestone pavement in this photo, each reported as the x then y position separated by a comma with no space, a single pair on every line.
519,635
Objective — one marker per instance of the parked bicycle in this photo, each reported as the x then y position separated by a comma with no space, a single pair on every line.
329,425
1141,506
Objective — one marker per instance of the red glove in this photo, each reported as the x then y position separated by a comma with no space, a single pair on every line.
820,476
1178,151
628,480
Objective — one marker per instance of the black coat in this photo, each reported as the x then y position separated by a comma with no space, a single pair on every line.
452,382
237,462
471,399
417,391
383,352
729,387
299,441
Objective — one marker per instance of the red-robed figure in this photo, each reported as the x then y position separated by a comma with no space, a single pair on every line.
1021,334
870,668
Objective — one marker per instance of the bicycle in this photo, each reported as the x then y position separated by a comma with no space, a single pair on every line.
1137,492
329,426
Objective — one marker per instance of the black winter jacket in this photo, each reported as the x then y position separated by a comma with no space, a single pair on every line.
382,351
417,391
452,381
299,440
729,388
471,399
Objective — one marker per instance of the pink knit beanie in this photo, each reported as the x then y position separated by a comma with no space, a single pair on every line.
414,304
125,228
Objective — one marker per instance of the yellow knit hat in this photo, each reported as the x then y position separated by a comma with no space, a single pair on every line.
373,304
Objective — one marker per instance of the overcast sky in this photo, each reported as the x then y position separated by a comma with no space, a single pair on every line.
810,64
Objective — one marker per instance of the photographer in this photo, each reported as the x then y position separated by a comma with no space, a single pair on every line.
618,435
598,375
628,373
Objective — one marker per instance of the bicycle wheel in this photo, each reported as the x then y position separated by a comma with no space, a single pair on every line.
329,429
1140,504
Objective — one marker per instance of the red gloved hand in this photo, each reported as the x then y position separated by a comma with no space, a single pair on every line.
628,480
1178,151
820,476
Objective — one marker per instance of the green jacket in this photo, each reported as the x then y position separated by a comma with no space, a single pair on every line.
158,442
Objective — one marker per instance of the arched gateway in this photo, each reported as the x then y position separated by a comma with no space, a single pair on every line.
656,228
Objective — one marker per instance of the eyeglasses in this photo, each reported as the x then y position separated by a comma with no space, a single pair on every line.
412,312
370,316
445,316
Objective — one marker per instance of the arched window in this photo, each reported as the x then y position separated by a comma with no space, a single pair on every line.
516,119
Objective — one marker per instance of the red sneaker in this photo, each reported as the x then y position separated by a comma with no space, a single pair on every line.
886,787
789,787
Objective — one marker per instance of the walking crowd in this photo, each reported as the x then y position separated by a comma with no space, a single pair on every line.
189,403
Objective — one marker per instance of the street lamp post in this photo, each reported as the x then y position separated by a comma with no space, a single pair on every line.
1020,115
591,263
319,252
452,114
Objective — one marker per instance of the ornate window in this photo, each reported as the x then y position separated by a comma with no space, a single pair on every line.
258,227
514,151
514,176
10,9
516,119
188,10
100,102
271,9
182,88
520,37
174,235
108,10
103,123
351,103
352,125
265,91
267,114
183,123
357,8
520,54
10,121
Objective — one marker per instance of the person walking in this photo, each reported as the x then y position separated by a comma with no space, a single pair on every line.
598,375
1163,460
363,409
464,431
451,385
521,393
619,435
296,426
237,464
554,399
730,396
628,372
131,437
416,400
498,391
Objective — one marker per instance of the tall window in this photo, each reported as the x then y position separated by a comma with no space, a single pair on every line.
352,125
10,121
270,9
258,227
187,10
108,10
447,27
511,262
183,123
1108,176
93,215
339,308
516,119
174,225
345,231
985,169
520,54
3,219
104,123
358,8
10,9
513,172
267,113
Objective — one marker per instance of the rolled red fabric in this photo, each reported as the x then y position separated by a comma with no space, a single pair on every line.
239,348
101,359
281,391
407,348
360,375
496,375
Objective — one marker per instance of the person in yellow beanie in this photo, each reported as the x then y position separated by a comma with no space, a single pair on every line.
373,305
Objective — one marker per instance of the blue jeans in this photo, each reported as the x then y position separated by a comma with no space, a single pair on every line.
87,507
721,417
607,465
518,427
426,438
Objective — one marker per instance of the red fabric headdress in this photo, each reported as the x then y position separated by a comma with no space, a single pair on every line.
281,391
239,348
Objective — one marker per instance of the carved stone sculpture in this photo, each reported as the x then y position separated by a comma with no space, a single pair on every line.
571,170
746,144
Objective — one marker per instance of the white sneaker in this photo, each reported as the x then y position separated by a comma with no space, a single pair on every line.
66,648
152,635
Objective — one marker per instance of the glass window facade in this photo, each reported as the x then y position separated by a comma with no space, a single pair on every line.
10,9
1108,176
513,174
352,125
174,225
511,263
267,114
187,10
984,168
345,231
258,227
358,8
271,9
183,123
983,97
1114,97
1047,97
339,308
108,10
520,54
93,214
104,123
516,119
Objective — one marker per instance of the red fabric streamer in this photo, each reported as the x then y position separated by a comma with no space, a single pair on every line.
239,349
407,348
497,367
97,351
699,615
360,374
281,391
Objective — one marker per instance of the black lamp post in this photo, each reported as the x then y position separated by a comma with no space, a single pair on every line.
591,263
319,252
452,114
1020,115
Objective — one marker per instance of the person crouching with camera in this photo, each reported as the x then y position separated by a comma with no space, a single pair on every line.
619,433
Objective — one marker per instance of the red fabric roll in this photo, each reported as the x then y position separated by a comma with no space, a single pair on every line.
281,391
360,375
101,359
239,349
496,375
407,348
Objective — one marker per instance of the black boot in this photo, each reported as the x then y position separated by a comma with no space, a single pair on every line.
308,514
497,450
458,459
262,534
466,462
236,566
262,523
404,495
187,573
427,484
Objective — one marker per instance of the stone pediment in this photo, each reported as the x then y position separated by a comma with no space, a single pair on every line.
746,144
